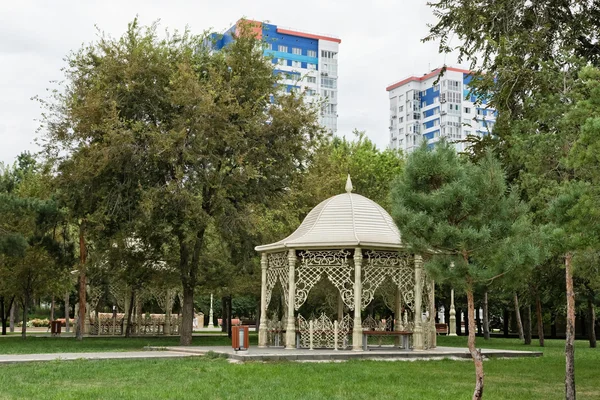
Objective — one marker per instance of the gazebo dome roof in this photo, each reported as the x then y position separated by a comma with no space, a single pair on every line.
345,220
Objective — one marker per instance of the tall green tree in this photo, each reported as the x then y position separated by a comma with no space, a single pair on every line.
466,219
174,135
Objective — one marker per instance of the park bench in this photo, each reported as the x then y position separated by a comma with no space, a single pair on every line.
404,335
441,329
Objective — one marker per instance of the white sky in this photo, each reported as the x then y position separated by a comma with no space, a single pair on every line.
380,45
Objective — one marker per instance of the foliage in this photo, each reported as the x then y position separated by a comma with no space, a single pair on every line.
173,138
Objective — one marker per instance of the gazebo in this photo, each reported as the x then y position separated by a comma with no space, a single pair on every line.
355,244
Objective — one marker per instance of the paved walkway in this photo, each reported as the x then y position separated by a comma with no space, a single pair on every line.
374,353
271,354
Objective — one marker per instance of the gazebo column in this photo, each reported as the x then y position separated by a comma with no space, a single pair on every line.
290,330
262,329
398,315
418,330
357,328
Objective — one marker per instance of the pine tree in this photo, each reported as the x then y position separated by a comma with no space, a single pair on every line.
468,222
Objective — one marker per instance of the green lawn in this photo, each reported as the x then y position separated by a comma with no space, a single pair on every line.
525,378
33,344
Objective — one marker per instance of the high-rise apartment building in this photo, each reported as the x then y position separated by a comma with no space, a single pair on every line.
427,109
306,62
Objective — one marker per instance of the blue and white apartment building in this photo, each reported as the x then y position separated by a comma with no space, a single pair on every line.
307,62
423,110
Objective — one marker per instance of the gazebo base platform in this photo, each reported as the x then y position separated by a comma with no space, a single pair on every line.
374,353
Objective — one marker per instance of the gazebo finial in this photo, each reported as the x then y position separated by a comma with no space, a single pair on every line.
349,187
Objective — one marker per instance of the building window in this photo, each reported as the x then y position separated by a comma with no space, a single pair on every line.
328,82
297,51
423,104
479,111
310,92
311,53
269,46
296,64
401,108
401,119
311,66
467,110
311,79
281,61
282,48
401,131
436,88
436,99
328,54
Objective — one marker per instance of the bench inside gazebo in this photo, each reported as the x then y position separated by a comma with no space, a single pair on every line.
353,243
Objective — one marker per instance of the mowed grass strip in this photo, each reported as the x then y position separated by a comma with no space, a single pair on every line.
36,345
216,378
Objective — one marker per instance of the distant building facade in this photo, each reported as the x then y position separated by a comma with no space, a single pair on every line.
422,109
307,62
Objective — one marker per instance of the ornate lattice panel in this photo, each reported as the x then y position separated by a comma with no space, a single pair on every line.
334,264
382,267
324,332
277,270
304,330
275,335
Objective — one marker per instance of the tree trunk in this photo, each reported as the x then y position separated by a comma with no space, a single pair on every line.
224,318
14,314
187,316
3,317
130,313
467,322
52,304
506,322
25,311
7,313
475,354
188,266
518,317
570,333
553,325
458,321
67,307
486,317
82,283
527,324
591,321
229,316
478,319
539,318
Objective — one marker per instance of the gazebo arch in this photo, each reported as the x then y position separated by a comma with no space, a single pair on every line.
354,243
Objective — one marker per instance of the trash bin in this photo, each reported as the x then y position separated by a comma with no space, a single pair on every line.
55,327
239,337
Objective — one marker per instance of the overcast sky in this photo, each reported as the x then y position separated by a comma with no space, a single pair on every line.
381,43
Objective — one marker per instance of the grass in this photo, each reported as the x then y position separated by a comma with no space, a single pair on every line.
36,344
215,378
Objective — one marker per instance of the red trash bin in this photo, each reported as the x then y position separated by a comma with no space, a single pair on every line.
55,327
239,337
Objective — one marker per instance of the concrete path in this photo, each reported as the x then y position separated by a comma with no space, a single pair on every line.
374,353
270,354
123,355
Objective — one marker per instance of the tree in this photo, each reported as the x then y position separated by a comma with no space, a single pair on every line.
176,136
468,221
